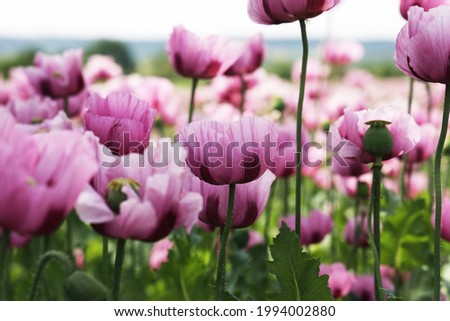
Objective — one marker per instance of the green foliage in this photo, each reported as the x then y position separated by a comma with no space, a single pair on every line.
406,239
116,49
297,271
248,276
22,58
190,271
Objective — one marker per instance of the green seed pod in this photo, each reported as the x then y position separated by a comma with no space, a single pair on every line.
80,286
278,104
115,195
378,139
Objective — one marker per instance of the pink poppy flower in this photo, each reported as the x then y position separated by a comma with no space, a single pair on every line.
233,153
17,240
33,110
425,4
100,68
153,197
252,56
57,76
350,232
445,221
314,227
343,53
281,11
340,280
364,287
352,127
45,174
250,200
201,58
159,253
423,45
426,147
121,122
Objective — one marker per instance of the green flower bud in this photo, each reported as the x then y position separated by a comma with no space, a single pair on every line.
80,286
115,195
378,139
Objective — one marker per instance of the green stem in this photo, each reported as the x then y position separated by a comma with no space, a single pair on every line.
430,161
120,255
269,211
405,157
356,236
397,283
438,188
286,197
243,92
3,262
301,97
403,177
192,101
60,257
376,187
105,262
46,244
221,263
374,243
67,106
69,233
183,286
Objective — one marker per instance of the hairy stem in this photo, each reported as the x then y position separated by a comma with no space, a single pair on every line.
221,263
301,97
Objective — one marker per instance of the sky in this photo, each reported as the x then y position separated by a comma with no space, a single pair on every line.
154,19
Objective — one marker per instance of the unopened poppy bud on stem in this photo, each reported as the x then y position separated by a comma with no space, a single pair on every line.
378,140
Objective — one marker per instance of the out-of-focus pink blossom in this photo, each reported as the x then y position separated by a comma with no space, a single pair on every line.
33,110
159,93
426,147
364,287
159,253
251,58
343,53
315,71
314,227
100,68
355,232
254,238
78,255
201,58
445,220
17,240
340,280
57,76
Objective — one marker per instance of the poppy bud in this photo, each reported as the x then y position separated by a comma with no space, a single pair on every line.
80,286
378,140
